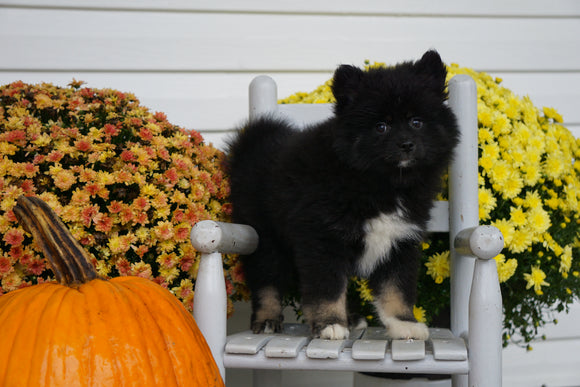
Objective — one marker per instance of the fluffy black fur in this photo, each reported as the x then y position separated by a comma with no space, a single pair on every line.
313,194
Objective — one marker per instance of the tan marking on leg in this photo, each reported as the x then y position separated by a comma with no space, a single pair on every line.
328,318
270,305
389,302
326,310
391,308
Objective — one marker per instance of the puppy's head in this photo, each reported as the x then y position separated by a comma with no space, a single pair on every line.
394,118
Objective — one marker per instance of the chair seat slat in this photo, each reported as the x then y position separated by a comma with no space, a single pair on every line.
369,349
246,343
325,349
285,346
402,350
371,344
449,349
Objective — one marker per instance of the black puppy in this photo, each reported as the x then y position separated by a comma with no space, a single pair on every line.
349,196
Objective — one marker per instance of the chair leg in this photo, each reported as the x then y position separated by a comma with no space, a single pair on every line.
459,380
267,378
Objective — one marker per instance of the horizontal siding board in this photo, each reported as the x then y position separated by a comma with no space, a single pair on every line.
557,8
161,41
550,363
217,102
567,325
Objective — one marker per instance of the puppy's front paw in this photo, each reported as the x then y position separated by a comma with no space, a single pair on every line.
334,332
398,329
267,326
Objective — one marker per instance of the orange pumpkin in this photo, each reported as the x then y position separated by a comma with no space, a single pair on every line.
87,331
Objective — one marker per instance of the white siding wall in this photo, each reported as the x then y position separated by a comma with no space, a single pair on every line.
193,60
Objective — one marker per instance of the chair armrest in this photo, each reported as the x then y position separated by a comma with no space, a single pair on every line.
485,304
483,242
213,239
209,236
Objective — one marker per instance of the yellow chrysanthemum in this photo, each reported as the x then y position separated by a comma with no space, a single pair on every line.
532,199
506,228
521,240
438,266
553,114
512,186
505,269
362,286
538,220
518,217
500,172
536,279
566,261
419,314
554,166
487,203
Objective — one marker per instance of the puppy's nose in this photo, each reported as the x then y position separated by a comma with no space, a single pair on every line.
407,147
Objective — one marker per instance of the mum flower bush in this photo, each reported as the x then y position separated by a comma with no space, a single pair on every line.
127,183
529,188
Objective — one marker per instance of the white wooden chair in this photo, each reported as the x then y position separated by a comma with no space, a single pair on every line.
470,351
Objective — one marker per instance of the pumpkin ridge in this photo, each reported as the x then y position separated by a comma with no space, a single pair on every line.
50,316
160,311
186,339
10,321
29,322
154,346
100,349
137,318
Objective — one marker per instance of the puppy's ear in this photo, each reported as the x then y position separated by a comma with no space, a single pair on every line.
432,66
345,85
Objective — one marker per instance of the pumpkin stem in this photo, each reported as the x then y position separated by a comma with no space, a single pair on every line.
68,260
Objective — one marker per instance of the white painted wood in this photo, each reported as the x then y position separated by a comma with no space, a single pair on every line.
246,343
325,349
345,362
192,41
210,305
463,206
284,347
517,8
363,380
463,191
369,349
439,221
306,114
267,378
215,103
484,242
485,325
209,236
440,334
449,349
402,350
550,363
263,96
375,333
246,349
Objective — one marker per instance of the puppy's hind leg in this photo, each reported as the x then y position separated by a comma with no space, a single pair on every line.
267,310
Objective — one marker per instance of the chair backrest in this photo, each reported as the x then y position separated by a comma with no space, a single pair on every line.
460,212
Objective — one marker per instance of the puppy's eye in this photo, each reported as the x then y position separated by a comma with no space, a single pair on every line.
416,123
381,127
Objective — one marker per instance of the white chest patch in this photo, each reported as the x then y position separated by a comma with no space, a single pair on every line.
381,234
